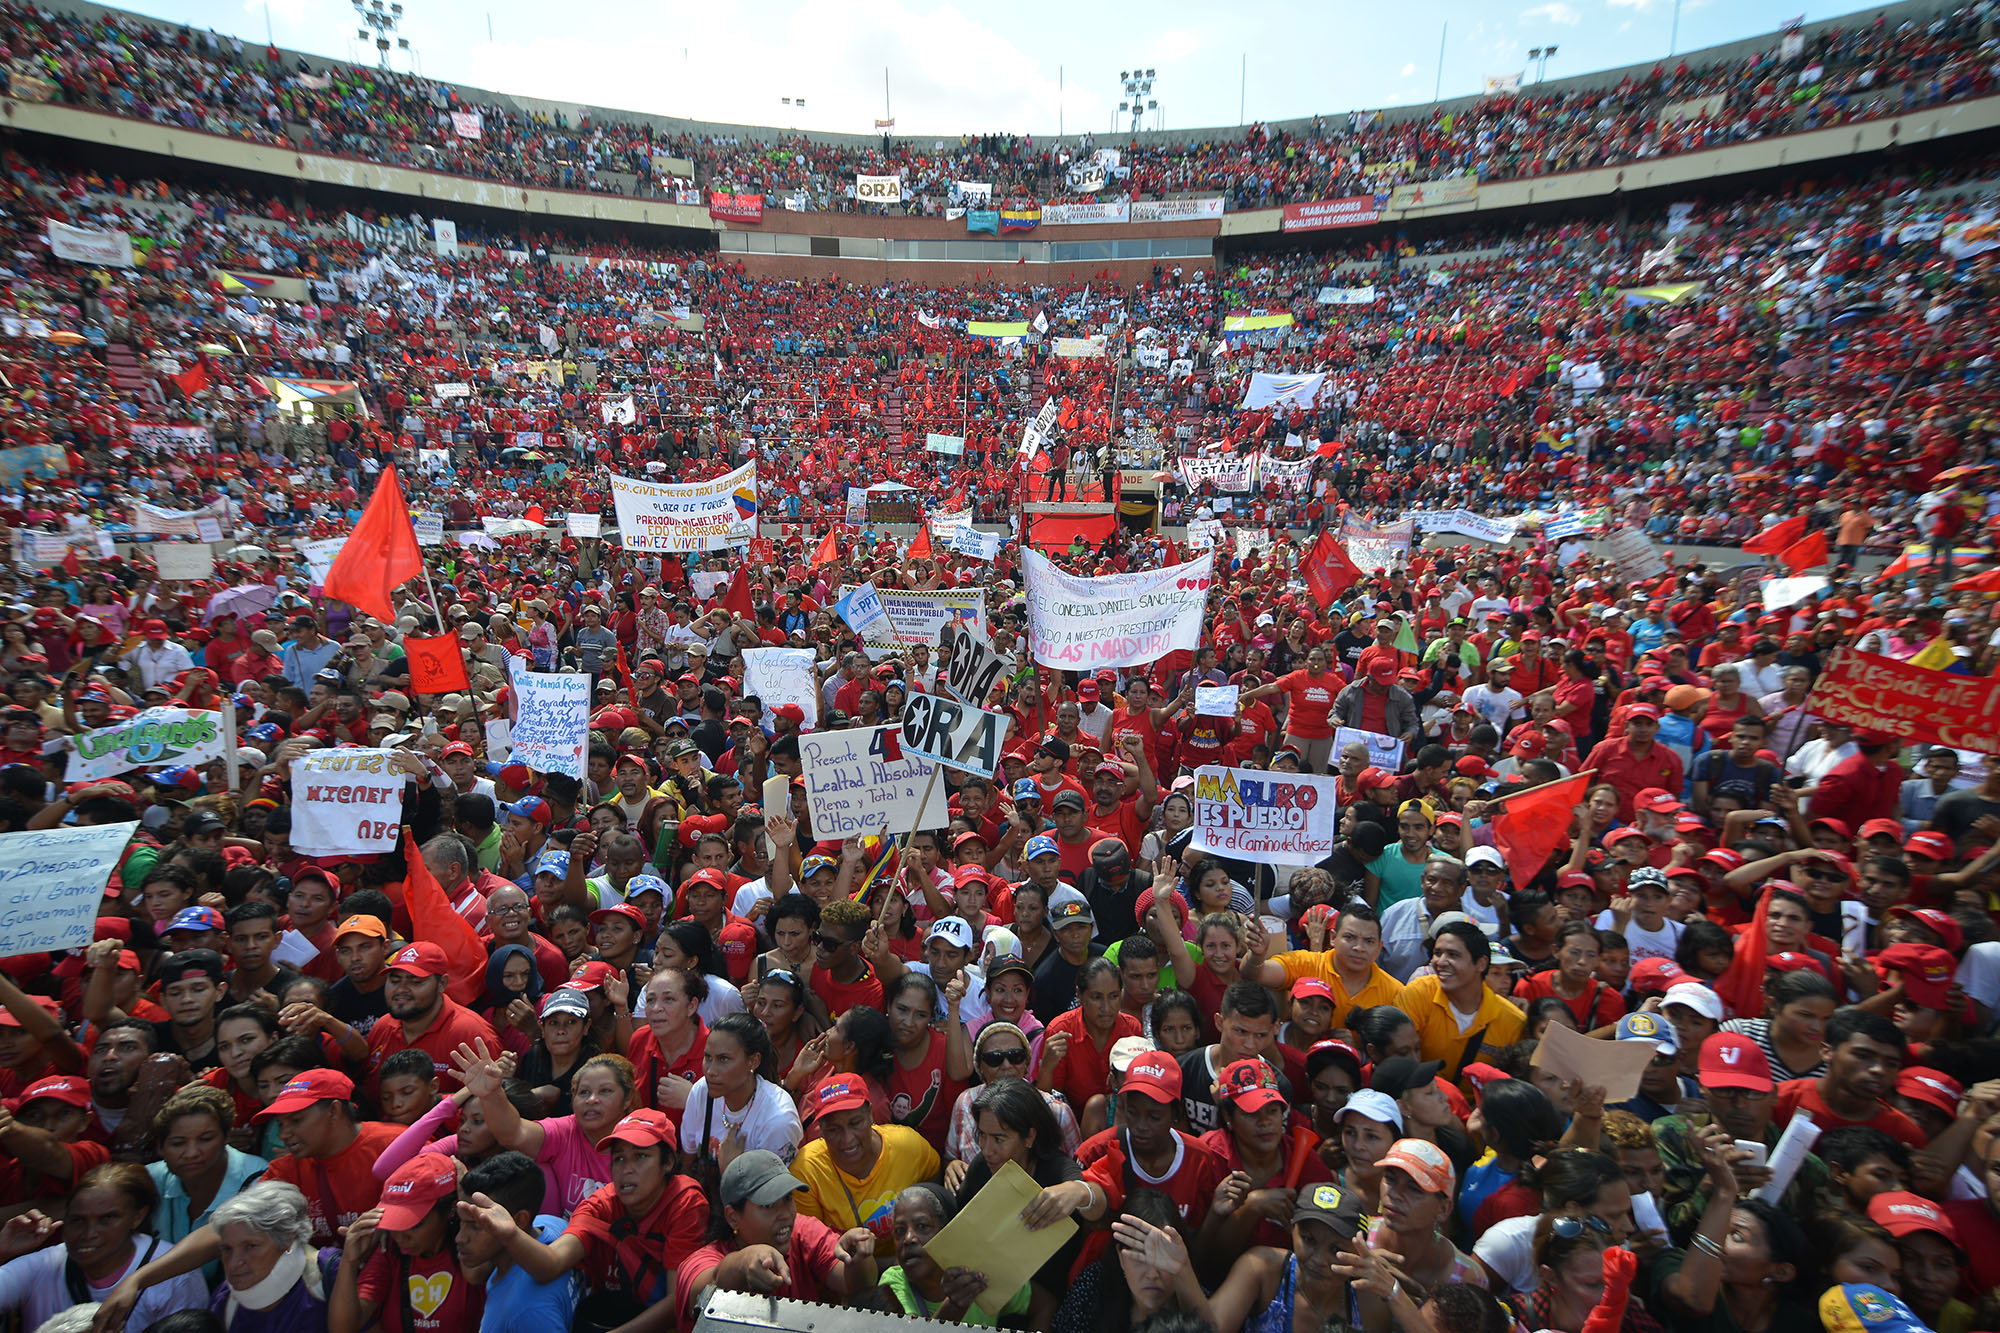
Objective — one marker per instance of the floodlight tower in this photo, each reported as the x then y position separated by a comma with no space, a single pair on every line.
1138,86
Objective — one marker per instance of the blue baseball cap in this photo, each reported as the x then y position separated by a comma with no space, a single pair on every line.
1649,1027
182,776
1027,789
264,731
1040,845
639,884
532,807
194,918
1858,1307
552,862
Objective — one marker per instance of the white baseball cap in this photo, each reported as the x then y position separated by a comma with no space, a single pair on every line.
1696,997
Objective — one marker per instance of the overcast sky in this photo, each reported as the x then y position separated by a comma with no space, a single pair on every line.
1030,66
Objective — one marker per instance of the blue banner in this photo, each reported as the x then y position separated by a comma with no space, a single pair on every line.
983,219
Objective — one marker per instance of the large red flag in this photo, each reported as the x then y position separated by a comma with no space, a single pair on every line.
828,552
737,597
437,666
1532,825
433,918
1777,537
192,380
381,556
1804,553
920,548
1327,570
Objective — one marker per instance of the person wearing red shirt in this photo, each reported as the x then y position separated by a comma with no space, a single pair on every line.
1308,722
771,1248
1864,1055
841,977
1142,1151
1866,786
332,1157
702,895
1123,797
42,1149
1144,719
1636,761
1533,670
421,1015
1075,1057
1070,810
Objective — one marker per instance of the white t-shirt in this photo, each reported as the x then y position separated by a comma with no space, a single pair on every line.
1495,706
723,998
770,1121
1646,943
1508,1248
34,1286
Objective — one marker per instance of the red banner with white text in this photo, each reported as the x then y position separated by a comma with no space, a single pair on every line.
1910,703
1356,210
736,207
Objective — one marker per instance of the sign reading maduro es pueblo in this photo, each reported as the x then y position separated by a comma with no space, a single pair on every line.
1287,818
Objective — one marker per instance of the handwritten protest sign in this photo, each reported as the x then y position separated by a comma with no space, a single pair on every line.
585,525
782,676
1912,704
182,560
1117,620
1282,818
1216,700
347,802
156,738
862,782
52,883
552,732
319,556
688,516
430,528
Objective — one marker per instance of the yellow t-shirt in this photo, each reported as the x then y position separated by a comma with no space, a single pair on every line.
841,1201
1498,1023
1381,988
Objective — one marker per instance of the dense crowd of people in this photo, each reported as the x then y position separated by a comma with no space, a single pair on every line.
581,1049
131,66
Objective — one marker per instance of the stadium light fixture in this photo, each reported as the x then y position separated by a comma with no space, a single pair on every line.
1138,86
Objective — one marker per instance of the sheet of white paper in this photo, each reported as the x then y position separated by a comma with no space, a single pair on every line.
294,950
1789,1155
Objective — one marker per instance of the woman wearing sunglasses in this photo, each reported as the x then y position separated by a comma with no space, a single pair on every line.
1583,1276
1015,1122
1000,1052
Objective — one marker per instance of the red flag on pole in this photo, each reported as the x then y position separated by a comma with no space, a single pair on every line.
625,677
1327,570
192,380
434,918
1804,553
381,556
437,666
828,552
1532,825
920,548
1777,537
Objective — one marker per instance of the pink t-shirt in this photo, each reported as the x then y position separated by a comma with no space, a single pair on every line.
573,1168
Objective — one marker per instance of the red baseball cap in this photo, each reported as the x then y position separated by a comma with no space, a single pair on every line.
1732,1060
1882,828
1839,827
1936,846
309,1088
1249,1085
1902,1214
1654,974
1950,934
1931,1087
644,1129
46,1004
415,1188
1926,971
422,959
626,910
592,974
70,1089
1656,801
839,1092
1155,1076
1315,987
1642,710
